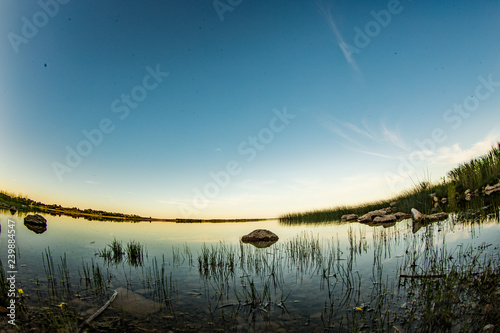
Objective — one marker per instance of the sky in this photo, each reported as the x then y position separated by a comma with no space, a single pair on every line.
241,109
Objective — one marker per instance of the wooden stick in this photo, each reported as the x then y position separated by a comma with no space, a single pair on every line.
98,312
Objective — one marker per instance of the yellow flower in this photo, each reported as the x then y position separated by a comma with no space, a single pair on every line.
359,309
61,305
20,291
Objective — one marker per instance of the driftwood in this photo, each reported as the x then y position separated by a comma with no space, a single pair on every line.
98,312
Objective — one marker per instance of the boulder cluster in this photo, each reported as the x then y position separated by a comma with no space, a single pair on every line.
380,216
468,194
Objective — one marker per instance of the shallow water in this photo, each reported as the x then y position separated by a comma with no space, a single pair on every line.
291,293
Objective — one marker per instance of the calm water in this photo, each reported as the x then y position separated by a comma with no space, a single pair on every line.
305,292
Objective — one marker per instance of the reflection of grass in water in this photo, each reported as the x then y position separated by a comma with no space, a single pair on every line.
416,281
115,252
135,253
161,285
436,290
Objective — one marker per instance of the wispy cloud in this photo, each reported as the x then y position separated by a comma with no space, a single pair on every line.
326,12
393,137
91,182
454,154
363,136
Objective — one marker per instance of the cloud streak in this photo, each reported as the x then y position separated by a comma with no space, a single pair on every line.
326,12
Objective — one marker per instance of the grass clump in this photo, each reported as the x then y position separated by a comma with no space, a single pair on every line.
116,252
135,253
477,173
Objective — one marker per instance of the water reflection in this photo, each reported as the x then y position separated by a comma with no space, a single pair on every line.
200,277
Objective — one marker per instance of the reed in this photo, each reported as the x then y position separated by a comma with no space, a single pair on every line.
135,253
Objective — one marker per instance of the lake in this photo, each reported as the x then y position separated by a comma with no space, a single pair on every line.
198,277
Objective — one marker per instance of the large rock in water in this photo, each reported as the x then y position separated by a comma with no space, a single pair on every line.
36,219
260,238
260,235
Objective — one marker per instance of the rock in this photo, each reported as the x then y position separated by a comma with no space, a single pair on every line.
349,217
444,201
365,218
417,216
36,228
36,219
262,244
488,308
468,195
402,216
489,328
385,219
368,217
434,197
490,189
436,217
387,210
259,235
134,304
380,212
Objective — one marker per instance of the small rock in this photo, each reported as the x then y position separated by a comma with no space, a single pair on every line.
349,217
488,308
385,219
417,216
402,216
365,218
444,201
489,328
437,216
490,189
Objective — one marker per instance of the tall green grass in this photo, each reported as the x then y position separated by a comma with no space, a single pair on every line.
472,175
479,172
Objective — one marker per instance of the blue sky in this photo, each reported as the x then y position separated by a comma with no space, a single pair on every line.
232,109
